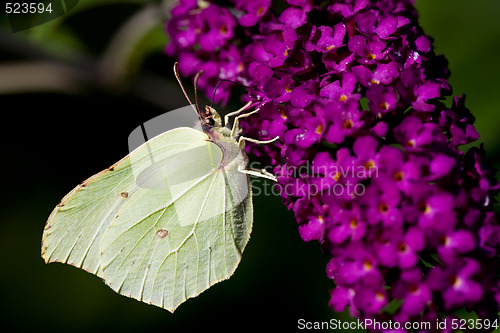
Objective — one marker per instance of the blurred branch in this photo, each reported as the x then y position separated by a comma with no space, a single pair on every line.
69,69
41,76
158,91
115,63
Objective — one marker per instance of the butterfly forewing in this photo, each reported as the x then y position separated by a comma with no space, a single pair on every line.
75,228
163,224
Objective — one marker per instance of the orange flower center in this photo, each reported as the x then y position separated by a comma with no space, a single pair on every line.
337,176
383,208
455,281
348,124
424,208
414,289
443,240
398,176
370,164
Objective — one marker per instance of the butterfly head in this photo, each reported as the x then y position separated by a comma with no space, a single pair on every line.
210,117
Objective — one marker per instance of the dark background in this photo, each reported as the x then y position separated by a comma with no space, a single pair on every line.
71,90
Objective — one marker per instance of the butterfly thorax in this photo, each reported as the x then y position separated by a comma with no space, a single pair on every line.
233,156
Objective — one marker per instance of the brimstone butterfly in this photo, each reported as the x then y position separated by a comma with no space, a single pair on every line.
167,221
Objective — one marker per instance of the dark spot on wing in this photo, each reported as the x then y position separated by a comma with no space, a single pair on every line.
124,194
111,168
161,233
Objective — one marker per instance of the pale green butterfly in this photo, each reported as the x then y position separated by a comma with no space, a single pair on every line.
167,221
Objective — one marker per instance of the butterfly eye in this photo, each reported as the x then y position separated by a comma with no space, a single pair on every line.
209,121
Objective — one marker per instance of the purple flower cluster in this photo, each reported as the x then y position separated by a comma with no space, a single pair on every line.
368,157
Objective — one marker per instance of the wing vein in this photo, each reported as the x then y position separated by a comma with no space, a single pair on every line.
83,220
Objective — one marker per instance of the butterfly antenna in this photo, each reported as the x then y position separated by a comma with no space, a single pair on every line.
177,76
234,82
196,90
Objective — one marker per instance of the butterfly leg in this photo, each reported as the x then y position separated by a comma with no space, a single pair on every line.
262,173
242,140
234,113
236,126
